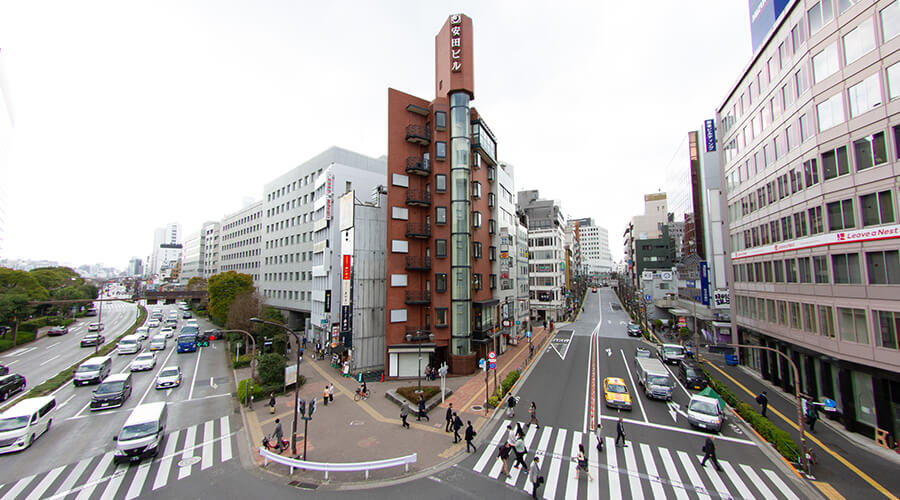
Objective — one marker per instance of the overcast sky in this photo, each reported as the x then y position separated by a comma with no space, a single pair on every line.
129,115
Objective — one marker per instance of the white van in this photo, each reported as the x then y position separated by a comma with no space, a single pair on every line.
130,344
705,413
93,370
25,422
143,433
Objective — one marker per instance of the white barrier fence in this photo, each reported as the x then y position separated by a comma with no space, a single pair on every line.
337,467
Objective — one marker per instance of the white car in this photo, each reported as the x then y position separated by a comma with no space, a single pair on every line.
143,361
169,376
143,332
192,322
153,323
95,327
168,331
158,342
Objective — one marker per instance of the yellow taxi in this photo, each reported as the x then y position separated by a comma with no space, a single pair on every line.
616,393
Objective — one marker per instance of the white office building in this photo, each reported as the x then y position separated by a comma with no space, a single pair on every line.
240,236
547,250
165,256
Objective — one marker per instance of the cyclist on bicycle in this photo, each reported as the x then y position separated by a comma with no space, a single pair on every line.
362,391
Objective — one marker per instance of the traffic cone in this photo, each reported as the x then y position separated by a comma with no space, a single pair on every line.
382,376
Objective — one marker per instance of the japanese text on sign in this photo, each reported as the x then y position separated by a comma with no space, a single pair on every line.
456,42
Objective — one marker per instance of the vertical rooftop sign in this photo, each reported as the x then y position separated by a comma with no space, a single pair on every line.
453,57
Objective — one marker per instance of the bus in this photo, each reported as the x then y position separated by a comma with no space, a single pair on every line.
187,342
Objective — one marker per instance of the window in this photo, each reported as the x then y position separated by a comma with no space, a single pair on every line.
476,189
887,325
440,183
852,323
440,282
877,208
811,172
440,317
440,248
883,267
858,42
476,281
865,95
819,15
492,253
397,315
800,224
840,215
399,246
815,220
845,267
476,250
846,4
492,226
782,312
831,112
779,271
826,321
825,63
440,150
809,318
797,37
492,200
476,219
890,21
803,265
794,309
801,80
492,281
893,81
790,270
870,151
440,120
835,163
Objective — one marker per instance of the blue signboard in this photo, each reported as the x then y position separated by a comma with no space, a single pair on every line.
763,14
709,130
704,283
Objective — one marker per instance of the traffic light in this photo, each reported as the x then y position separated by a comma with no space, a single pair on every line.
301,405
312,406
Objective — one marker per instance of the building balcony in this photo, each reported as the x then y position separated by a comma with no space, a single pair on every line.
418,330
418,166
418,230
418,198
417,297
414,263
418,134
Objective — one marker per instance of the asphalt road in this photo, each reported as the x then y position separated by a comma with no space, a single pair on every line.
74,458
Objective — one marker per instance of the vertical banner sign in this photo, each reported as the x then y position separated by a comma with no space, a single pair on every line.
347,280
456,43
709,128
704,283
328,301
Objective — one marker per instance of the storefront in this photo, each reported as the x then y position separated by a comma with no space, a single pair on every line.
404,361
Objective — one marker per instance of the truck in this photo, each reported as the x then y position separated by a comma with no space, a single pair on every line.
654,378
671,353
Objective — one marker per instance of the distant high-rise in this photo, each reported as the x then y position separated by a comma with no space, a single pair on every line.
165,256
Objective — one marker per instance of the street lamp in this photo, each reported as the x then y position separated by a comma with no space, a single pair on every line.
419,337
252,363
296,382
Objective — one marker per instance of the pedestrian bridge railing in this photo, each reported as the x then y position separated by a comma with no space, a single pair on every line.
337,467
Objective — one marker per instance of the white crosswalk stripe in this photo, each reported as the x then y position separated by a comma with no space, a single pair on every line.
126,482
629,471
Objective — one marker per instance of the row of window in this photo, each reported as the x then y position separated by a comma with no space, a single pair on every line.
293,186
440,282
287,295
818,319
289,258
242,254
240,222
237,244
290,240
882,268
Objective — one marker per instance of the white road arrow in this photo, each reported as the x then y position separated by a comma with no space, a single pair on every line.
608,352
622,323
212,384
675,410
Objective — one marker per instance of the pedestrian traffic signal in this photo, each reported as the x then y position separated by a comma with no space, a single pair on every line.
301,406
312,407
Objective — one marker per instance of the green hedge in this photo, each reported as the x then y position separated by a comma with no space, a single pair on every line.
21,338
780,439
242,361
505,385
258,391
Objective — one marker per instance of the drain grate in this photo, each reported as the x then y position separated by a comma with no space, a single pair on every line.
478,408
616,307
305,486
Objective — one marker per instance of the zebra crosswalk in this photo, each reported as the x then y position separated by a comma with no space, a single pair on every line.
636,471
194,449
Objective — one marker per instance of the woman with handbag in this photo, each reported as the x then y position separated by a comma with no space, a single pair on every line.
533,411
582,463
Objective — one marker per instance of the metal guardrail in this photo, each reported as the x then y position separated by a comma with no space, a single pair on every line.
337,467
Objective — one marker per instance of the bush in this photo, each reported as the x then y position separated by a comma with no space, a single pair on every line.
242,361
258,391
409,392
271,369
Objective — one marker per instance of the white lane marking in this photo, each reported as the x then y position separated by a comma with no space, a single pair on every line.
72,477
684,431
779,484
112,487
50,360
19,352
555,464
95,478
594,467
634,389
720,489
693,475
612,467
488,446
655,481
137,483
208,439
18,487
572,481
64,403
529,437
194,378
43,485
152,384
736,480
52,345
11,362
162,475
634,481
674,478
587,386
189,438
226,438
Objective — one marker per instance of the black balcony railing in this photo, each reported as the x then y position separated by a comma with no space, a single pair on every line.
418,197
416,331
418,134
418,230
414,263
418,297
418,166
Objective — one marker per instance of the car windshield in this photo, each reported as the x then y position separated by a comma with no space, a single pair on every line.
127,342
110,387
91,336
169,372
673,350
616,388
692,372
705,407
87,368
144,357
659,380
137,431
187,338
13,423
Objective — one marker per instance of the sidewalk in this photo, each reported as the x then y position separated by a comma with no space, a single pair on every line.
350,431
848,465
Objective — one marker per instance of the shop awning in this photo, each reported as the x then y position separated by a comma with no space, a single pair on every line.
411,348
721,324
679,312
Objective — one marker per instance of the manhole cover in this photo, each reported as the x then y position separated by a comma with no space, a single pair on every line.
187,462
616,307
357,422
478,408
305,486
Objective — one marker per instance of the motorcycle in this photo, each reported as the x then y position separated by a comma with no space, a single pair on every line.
272,444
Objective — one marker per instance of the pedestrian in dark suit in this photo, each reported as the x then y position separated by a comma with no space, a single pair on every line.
422,414
709,450
470,435
763,401
449,417
620,432
812,415
457,425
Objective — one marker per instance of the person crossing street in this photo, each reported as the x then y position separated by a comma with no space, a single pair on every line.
709,450
470,435
620,433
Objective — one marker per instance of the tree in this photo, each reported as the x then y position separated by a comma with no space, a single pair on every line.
684,334
271,369
245,306
197,284
223,288
14,308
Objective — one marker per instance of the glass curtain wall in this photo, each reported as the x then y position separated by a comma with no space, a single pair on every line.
460,226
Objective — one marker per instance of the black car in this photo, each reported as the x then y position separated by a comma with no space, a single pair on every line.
634,330
112,392
690,373
92,339
214,334
4,369
11,384
57,330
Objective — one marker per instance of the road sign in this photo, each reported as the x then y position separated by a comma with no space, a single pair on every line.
528,333
647,298
492,356
493,365
518,322
481,363
830,404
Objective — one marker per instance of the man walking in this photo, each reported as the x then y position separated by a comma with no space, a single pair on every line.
449,417
278,434
457,425
534,475
422,414
511,406
404,412
709,450
470,435
812,415
331,393
520,452
620,433
763,401
503,455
